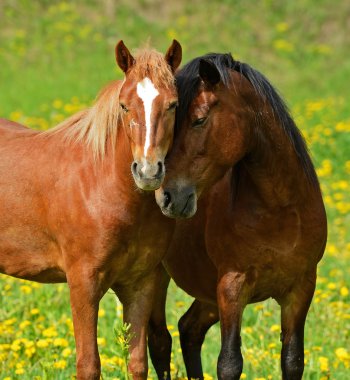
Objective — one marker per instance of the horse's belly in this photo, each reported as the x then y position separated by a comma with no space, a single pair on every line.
29,254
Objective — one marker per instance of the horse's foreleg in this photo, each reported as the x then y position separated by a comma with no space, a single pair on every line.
159,339
193,326
294,309
232,298
137,300
85,295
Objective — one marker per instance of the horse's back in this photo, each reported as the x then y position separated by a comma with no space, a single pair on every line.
11,126
11,131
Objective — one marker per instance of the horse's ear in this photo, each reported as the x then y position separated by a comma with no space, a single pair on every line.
174,55
124,59
208,72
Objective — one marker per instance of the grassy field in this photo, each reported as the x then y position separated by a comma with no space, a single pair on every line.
55,56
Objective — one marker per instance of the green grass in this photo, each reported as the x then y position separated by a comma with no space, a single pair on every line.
54,58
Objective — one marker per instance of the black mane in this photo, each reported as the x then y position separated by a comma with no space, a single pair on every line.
188,81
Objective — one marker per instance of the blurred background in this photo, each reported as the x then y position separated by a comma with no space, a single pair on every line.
52,49
54,58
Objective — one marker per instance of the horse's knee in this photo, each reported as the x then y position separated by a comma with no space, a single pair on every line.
138,369
230,366
88,369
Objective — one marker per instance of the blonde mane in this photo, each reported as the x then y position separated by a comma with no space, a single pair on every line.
98,125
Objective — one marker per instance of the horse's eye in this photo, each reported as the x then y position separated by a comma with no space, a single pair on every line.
124,107
199,122
172,106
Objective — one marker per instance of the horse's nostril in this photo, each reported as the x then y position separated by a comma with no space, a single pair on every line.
134,167
160,169
167,199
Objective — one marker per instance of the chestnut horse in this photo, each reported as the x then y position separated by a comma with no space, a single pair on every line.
70,210
260,229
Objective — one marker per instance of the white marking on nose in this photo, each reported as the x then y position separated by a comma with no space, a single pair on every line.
147,92
144,165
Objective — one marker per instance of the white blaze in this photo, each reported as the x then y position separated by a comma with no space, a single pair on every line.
147,92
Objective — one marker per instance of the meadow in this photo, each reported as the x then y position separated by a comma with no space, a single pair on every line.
54,58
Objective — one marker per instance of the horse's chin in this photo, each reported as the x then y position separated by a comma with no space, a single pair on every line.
177,204
184,214
148,184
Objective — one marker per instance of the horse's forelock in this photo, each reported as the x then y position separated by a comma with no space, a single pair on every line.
152,64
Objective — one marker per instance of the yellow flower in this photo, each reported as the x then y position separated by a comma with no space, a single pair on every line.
323,49
274,328
50,332
101,313
248,330
324,363
282,27
61,364
101,341
30,351
172,34
67,352
60,342
343,126
57,104
43,343
24,324
347,166
34,311
283,45
16,116
331,286
16,345
26,289
342,354
344,291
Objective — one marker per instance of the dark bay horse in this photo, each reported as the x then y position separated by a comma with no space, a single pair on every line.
70,209
260,228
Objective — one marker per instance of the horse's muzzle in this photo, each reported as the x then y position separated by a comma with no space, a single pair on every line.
177,202
148,176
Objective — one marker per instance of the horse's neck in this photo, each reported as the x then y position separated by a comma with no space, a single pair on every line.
273,170
116,169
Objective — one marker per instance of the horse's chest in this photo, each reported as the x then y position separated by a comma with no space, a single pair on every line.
139,249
